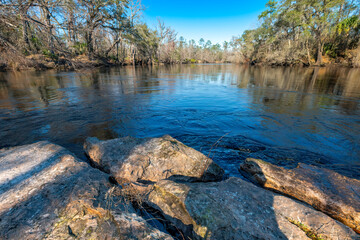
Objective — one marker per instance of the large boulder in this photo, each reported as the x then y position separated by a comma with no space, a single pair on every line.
327,191
46,193
236,209
151,159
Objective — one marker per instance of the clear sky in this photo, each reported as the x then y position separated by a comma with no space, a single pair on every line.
216,21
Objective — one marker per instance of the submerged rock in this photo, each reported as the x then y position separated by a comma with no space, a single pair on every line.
151,159
327,191
236,209
46,193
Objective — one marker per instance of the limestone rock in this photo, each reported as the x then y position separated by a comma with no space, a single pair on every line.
151,159
236,209
46,193
327,191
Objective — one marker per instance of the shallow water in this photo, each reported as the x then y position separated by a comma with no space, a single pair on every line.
229,112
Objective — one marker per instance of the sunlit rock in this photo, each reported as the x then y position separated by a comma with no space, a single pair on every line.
46,193
326,190
236,209
151,159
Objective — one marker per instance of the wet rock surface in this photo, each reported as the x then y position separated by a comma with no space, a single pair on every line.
151,159
327,191
46,193
236,209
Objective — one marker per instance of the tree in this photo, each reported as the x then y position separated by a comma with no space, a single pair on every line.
110,30
292,31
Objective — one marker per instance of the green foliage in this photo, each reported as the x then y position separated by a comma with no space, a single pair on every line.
271,5
292,31
146,41
25,52
50,54
330,50
113,58
35,42
80,48
348,24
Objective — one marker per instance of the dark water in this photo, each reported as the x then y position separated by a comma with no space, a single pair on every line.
282,115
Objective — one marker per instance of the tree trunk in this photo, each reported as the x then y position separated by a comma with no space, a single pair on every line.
89,42
340,14
71,28
23,11
49,27
133,59
308,52
117,52
115,44
26,35
319,53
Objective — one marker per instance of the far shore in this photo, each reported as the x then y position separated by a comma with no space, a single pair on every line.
40,63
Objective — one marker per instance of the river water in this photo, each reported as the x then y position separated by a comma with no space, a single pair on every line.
229,112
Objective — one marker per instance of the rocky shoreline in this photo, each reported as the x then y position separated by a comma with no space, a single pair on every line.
159,188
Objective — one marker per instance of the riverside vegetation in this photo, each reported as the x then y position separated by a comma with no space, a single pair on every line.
305,31
79,33
159,188
70,33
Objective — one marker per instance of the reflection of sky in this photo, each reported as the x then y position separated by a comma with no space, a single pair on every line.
290,108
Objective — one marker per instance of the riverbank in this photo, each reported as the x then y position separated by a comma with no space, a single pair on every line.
159,188
350,59
40,62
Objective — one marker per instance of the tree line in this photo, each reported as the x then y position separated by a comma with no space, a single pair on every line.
309,32
304,31
109,30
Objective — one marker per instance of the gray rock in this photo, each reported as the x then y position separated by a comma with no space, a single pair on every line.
46,193
326,190
151,159
236,209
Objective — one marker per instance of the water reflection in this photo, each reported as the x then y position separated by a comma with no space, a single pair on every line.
283,115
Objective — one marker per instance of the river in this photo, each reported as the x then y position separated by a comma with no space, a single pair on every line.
284,115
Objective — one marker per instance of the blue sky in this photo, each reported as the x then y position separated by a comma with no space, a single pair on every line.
216,21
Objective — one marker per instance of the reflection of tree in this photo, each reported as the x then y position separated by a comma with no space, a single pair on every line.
28,90
315,85
67,107
311,108
4,93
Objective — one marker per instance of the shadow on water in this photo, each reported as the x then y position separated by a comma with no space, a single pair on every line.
312,111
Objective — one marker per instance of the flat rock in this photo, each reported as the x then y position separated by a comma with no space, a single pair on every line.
334,194
151,159
236,209
46,193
